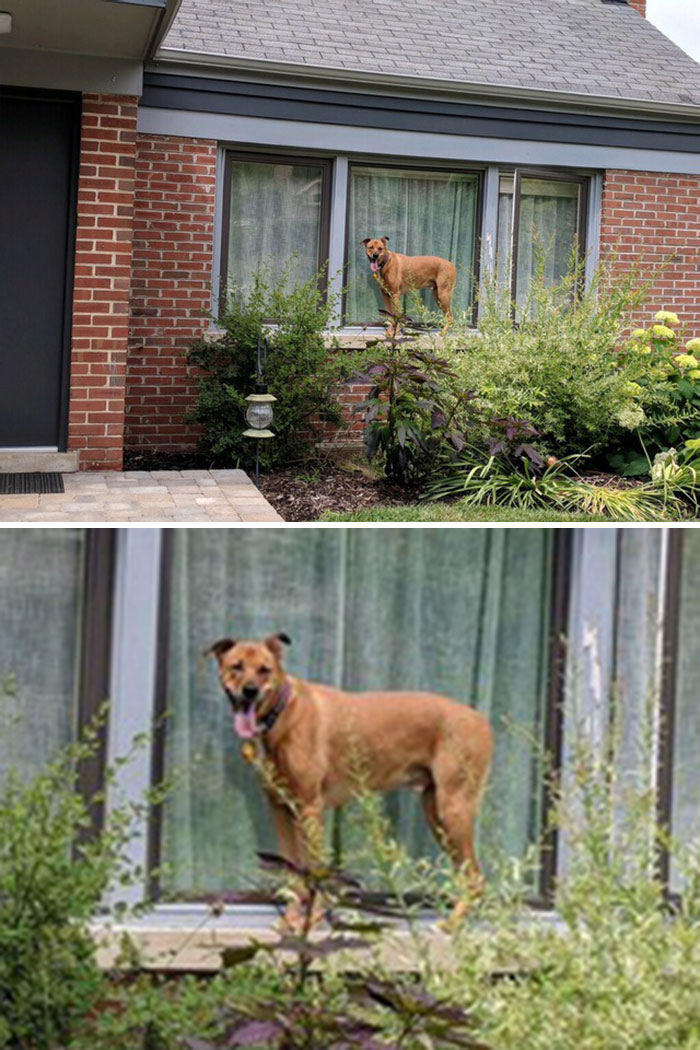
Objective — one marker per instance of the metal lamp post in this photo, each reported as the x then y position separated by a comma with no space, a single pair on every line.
259,413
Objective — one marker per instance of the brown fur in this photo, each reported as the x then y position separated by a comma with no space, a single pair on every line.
400,274
326,739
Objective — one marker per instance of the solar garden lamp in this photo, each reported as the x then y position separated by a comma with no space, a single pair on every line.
259,413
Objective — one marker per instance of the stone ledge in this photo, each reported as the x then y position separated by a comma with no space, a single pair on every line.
30,462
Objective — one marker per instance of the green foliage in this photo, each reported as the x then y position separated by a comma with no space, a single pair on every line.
558,368
412,408
478,479
53,874
301,371
667,389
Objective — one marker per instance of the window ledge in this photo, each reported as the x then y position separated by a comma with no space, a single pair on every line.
344,338
192,942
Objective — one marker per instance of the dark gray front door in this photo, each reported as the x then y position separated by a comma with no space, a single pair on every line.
38,143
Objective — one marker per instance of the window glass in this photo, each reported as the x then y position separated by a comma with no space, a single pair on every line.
40,613
547,232
460,612
422,213
274,219
685,818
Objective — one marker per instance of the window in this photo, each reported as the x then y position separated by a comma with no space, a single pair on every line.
422,213
541,221
462,612
41,599
276,214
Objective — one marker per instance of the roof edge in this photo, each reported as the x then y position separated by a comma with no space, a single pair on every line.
363,79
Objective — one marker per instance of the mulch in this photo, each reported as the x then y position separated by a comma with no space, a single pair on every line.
332,488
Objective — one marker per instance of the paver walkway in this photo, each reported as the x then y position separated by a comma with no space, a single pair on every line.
142,495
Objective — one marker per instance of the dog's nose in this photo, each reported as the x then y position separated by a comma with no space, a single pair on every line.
250,691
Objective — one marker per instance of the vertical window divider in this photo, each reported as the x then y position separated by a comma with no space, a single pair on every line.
672,569
94,664
135,658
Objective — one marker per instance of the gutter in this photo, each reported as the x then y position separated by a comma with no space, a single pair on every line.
161,27
206,64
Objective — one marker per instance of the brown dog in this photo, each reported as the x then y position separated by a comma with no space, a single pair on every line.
398,274
318,738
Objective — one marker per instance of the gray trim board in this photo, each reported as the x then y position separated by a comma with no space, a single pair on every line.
204,94
332,139
64,72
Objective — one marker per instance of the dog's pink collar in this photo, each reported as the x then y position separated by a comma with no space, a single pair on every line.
283,695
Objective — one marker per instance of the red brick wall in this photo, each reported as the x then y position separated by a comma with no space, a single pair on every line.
640,5
655,219
101,282
171,285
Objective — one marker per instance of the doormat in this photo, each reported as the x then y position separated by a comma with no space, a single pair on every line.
37,481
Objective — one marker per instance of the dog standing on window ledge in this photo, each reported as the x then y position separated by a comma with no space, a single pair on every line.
399,274
314,735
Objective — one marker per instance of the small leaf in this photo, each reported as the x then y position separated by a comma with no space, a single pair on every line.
234,956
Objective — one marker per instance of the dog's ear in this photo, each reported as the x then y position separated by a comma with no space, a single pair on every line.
276,642
218,649
385,239
366,240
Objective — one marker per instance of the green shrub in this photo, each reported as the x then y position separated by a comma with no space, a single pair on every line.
558,368
301,371
53,874
667,381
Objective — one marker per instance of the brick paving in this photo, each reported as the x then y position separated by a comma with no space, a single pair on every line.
147,496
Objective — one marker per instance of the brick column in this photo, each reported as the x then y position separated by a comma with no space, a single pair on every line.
641,6
102,280
171,285
653,220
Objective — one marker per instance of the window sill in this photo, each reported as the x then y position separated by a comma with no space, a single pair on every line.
191,939
344,338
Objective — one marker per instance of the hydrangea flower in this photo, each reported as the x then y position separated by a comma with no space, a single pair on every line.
664,466
686,361
641,333
631,417
632,389
660,331
693,346
695,374
666,317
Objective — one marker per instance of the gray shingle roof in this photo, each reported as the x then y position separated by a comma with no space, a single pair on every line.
580,46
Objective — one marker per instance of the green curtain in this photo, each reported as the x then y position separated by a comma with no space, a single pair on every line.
685,821
463,612
40,615
422,213
547,230
274,221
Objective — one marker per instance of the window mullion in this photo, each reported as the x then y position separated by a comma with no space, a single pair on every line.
336,238
134,661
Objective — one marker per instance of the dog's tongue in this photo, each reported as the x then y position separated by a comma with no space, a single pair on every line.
245,724
373,266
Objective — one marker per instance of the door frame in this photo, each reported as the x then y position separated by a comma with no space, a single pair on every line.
73,100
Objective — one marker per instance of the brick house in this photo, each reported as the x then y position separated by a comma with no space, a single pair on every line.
184,142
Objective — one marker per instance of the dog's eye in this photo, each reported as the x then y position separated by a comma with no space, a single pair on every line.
237,667
264,670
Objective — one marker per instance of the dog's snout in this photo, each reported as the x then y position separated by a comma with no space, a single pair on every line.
250,691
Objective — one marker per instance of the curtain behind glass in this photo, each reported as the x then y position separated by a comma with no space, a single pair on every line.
40,614
422,213
463,612
547,231
685,821
274,221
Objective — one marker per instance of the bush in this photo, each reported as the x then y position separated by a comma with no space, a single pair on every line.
301,372
53,874
558,368
667,383
615,967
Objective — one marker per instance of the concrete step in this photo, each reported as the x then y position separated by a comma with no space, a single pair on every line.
28,462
